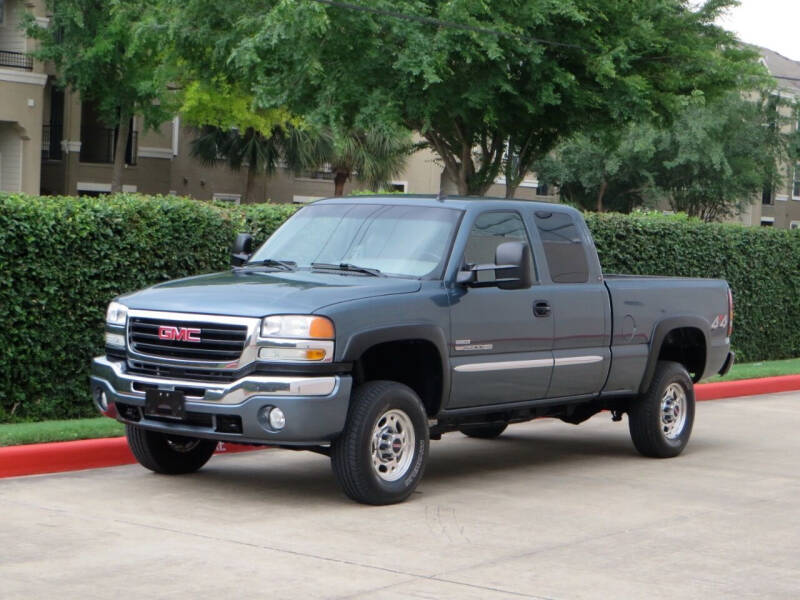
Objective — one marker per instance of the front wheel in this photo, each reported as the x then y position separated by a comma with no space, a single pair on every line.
168,454
661,420
380,456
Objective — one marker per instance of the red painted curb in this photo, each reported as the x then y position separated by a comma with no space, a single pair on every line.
37,459
747,387
56,457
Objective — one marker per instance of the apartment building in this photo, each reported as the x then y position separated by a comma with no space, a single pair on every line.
22,83
779,205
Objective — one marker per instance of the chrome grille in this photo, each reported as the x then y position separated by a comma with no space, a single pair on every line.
219,342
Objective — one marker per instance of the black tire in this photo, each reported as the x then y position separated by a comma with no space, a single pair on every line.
484,431
168,454
656,430
352,452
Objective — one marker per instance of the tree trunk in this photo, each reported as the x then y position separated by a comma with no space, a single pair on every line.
120,145
250,188
339,180
600,194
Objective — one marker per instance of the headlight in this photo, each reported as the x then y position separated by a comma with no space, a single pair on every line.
298,326
117,314
296,338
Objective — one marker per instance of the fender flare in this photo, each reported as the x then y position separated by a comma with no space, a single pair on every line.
660,331
362,341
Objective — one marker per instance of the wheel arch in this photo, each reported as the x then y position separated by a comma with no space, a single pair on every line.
682,339
419,359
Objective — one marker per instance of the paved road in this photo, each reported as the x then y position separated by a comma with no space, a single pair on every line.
547,511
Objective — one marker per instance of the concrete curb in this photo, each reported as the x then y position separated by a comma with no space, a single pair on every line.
38,459
57,457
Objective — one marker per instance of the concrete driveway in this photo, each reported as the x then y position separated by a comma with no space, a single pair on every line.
547,511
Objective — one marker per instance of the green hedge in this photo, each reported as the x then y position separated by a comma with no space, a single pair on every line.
63,259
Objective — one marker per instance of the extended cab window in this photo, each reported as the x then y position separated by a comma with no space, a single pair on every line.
563,247
489,231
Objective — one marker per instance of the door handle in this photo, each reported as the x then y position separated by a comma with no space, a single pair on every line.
541,308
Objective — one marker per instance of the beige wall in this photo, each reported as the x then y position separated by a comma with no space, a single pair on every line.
21,111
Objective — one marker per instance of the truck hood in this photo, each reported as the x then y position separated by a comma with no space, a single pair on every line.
252,293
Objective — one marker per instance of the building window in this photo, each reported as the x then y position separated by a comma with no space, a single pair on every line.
542,189
767,221
766,196
796,183
563,247
232,198
2,12
794,225
397,186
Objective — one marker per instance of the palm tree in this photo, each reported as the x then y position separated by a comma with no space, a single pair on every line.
374,155
251,149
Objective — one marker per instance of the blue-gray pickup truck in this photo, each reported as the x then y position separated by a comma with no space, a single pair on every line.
365,327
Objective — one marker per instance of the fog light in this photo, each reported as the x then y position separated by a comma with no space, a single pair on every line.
277,420
101,399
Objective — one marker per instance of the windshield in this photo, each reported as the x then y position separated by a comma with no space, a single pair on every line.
405,241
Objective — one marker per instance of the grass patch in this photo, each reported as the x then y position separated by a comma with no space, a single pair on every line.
761,369
16,434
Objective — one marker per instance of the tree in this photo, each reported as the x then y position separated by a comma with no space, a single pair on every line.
709,162
375,155
232,131
99,51
491,86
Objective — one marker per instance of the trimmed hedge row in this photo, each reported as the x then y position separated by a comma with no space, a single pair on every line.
62,259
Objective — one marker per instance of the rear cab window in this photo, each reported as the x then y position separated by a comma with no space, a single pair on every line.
564,247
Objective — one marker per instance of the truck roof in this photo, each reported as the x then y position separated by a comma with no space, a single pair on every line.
456,202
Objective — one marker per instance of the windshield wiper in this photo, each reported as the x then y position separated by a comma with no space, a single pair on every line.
348,267
283,265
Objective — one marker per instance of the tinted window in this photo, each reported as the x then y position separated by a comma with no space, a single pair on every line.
563,247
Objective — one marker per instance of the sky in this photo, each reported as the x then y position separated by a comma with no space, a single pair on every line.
773,24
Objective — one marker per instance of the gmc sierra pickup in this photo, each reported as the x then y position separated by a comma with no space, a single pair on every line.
365,327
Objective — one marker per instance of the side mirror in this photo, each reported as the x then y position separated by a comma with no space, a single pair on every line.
512,269
242,249
516,261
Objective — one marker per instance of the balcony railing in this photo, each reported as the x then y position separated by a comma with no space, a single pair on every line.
16,60
51,142
97,146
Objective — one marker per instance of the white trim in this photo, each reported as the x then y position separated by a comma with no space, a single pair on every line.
526,183
782,198
68,146
767,221
150,152
225,197
403,183
176,135
577,360
43,22
794,225
93,186
23,77
505,365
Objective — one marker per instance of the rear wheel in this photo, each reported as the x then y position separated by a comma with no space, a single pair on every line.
661,420
168,454
380,457
484,431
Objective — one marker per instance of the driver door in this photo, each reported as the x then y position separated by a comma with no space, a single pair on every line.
500,351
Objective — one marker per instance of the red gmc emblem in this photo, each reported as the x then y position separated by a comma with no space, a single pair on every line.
178,334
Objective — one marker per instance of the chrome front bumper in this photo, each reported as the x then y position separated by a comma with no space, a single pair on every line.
315,407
